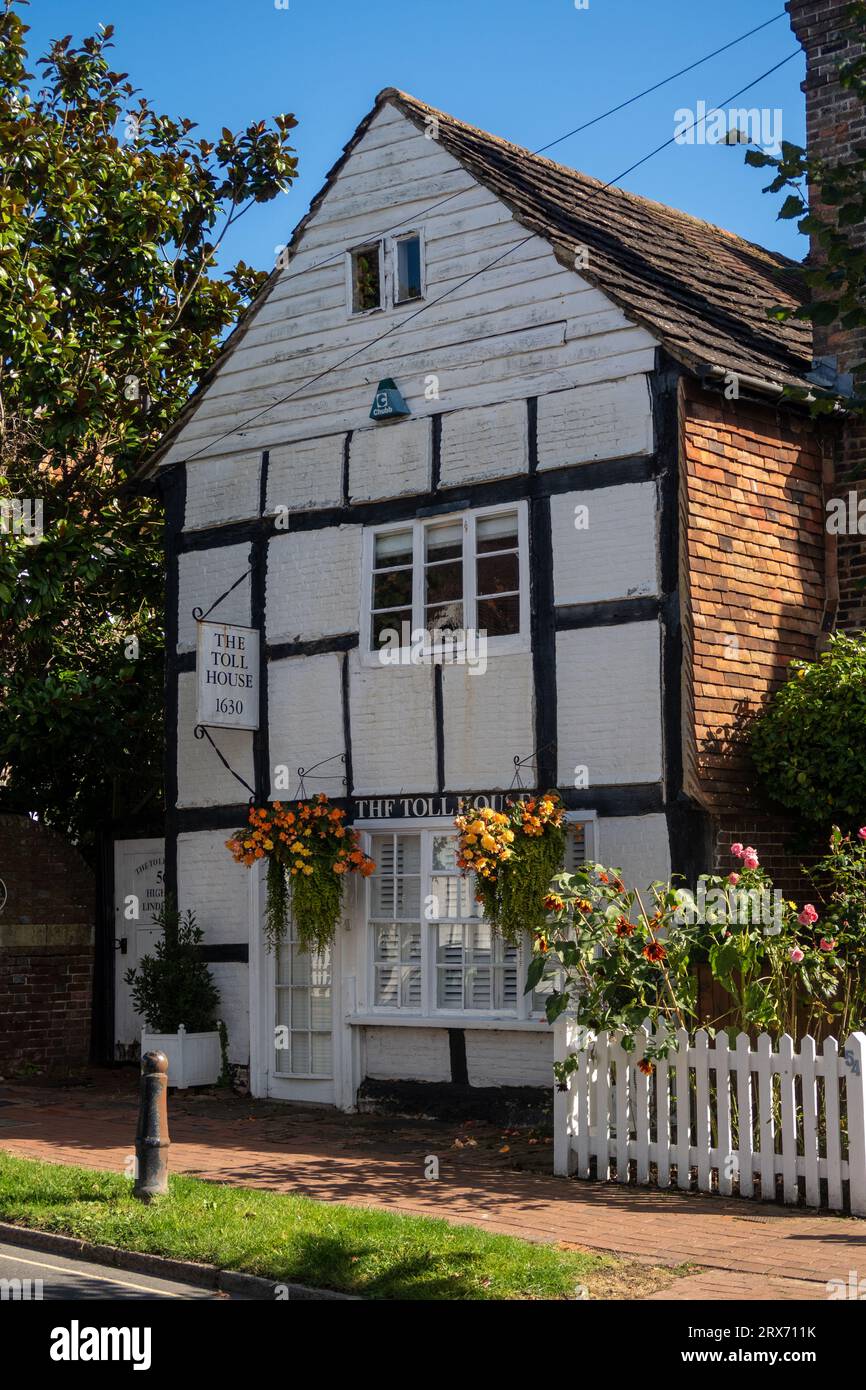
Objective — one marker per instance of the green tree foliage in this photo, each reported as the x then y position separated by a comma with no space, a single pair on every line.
111,220
834,280
808,744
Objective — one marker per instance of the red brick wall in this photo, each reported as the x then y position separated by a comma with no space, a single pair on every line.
752,577
835,123
46,951
45,1004
752,573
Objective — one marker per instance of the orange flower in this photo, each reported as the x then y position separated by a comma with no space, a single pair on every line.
646,1066
654,951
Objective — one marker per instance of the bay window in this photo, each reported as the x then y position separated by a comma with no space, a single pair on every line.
431,951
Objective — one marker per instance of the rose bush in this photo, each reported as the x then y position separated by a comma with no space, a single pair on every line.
616,961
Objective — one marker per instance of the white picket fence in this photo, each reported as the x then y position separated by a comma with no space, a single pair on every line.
728,1120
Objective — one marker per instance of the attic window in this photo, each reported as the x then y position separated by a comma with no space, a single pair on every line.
366,263
408,280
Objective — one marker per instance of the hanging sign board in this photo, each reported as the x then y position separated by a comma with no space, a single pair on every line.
227,669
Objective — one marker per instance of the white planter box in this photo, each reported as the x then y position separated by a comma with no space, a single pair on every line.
194,1059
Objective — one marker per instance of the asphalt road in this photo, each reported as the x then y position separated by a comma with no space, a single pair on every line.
77,1280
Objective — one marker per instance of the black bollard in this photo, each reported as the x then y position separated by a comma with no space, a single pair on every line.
151,1139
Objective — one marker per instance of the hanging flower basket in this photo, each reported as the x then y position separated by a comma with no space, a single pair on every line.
514,854
309,852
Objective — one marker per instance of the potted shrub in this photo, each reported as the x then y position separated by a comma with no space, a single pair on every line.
174,992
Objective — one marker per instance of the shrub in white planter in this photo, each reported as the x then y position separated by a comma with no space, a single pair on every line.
194,1059
174,992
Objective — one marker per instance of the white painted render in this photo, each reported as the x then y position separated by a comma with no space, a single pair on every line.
527,328
314,584
390,460
488,442
489,720
221,490
609,717
605,544
306,473
203,576
393,739
305,722
201,778
501,1058
639,845
609,419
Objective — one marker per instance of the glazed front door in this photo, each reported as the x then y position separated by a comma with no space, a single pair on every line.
301,1065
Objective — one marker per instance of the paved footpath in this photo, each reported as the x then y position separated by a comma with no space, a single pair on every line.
744,1250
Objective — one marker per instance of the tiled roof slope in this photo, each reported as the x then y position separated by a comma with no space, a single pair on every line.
703,292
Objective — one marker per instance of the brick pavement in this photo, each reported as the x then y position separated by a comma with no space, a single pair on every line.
744,1250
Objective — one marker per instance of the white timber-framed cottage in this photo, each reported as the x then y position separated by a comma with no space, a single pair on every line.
557,343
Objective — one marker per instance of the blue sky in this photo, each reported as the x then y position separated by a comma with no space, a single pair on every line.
527,70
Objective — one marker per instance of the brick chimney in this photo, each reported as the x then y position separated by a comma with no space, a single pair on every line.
835,123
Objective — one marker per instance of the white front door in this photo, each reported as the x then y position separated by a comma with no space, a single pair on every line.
139,867
301,1059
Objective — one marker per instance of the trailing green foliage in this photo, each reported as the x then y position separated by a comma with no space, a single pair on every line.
840,879
828,199
808,744
309,851
513,856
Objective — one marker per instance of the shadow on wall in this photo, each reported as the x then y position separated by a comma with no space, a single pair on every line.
47,917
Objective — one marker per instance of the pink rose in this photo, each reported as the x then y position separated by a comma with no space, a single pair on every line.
862,832
733,879
738,851
826,945
750,859
795,954
807,916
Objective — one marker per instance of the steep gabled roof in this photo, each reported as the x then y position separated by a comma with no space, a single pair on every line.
701,291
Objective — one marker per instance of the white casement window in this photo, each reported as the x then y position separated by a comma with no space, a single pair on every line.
385,272
366,278
458,573
408,268
431,953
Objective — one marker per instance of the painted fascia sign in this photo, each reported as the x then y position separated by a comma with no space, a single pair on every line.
227,672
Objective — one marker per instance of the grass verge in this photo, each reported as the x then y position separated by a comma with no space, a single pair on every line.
293,1239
